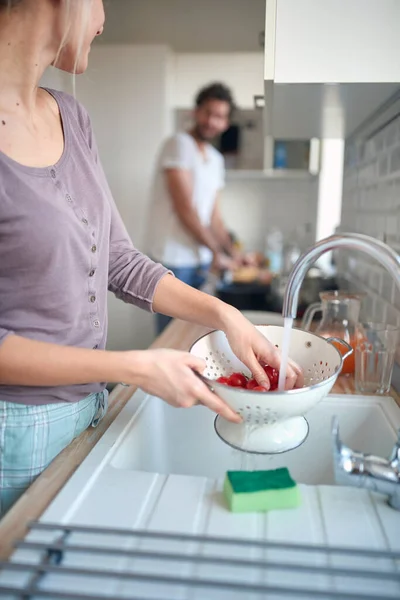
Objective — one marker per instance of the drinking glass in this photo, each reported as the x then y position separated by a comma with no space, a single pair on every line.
375,353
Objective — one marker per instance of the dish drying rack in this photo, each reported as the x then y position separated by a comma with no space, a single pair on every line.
67,561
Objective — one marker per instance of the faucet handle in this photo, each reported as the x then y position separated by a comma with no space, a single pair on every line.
345,460
337,443
394,457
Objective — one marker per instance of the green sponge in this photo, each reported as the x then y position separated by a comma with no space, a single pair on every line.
259,491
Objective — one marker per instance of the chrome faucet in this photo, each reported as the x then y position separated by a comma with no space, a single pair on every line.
350,241
374,473
353,468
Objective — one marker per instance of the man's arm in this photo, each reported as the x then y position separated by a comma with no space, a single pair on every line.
180,188
220,232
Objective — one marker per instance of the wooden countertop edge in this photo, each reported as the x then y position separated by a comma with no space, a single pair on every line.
179,335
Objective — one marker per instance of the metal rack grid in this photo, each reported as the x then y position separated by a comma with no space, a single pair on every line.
52,554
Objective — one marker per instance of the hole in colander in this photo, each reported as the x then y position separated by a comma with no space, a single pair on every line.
309,370
258,407
320,362
248,407
206,357
210,353
229,362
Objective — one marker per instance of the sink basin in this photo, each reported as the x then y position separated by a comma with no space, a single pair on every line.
165,440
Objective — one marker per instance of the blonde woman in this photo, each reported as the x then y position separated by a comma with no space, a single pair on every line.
62,245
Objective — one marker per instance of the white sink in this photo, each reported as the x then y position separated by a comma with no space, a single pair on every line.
161,470
164,440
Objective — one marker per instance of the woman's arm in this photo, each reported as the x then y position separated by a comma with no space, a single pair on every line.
27,362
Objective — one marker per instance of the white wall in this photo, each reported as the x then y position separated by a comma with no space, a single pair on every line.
58,80
251,206
330,194
371,205
242,72
126,91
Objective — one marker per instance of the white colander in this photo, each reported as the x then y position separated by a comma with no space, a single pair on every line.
273,422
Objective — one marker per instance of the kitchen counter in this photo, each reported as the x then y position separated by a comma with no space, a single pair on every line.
179,335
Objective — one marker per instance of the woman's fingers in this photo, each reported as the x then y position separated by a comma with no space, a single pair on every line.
195,391
207,398
258,372
214,403
196,363
299,382
294,374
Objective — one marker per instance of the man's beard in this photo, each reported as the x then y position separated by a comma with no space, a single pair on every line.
199,134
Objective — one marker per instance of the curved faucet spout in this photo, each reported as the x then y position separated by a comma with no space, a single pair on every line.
350,241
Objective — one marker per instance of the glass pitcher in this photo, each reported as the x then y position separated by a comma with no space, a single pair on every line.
340,318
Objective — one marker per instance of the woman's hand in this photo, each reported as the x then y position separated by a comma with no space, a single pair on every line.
170,375
254,350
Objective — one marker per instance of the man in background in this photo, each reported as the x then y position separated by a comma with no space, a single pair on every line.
186,231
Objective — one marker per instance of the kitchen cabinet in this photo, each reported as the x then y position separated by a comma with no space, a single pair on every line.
328,65
309,41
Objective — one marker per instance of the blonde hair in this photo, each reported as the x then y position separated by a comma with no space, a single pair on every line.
84,6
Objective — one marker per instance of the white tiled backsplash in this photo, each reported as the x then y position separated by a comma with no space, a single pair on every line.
371,205
252,206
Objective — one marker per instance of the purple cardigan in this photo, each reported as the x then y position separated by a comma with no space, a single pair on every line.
62,246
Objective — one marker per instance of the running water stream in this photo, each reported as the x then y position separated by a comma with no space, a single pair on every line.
287,332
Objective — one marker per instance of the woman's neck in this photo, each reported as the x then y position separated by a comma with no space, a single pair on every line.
25,53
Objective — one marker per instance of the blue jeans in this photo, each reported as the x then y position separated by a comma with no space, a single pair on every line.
193,276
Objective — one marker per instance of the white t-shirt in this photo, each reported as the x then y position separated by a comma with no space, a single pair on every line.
168,240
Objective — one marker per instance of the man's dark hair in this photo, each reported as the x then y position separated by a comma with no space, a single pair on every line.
215,91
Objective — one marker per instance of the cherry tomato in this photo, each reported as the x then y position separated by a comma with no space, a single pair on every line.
237,380
273,376
223,380
251,384
258,388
